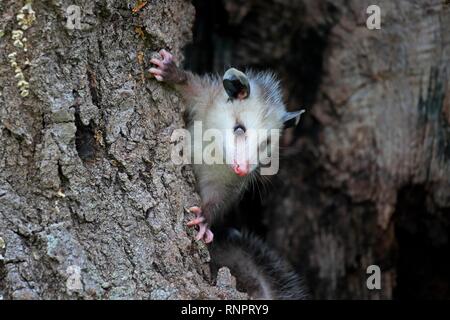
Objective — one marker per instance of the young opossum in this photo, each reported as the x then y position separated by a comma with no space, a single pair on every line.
258,270
240,103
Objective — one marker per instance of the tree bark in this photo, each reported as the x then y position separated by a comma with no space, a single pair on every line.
90,204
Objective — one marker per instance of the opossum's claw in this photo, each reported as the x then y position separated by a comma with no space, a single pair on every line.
167,56
158,62
209,236
194,209
196,221
203,231
198,212
165,69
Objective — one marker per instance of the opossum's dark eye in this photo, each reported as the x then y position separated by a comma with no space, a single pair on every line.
239,129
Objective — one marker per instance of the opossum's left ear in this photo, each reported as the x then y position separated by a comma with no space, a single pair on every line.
291,119
236,84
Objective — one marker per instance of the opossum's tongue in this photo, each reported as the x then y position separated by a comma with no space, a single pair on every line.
241,164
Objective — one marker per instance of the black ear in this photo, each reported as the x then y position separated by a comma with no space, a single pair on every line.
291,119
236,84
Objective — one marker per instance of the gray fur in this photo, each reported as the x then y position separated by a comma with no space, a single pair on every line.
207,101
261,272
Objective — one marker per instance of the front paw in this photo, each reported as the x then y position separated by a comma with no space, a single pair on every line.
166,69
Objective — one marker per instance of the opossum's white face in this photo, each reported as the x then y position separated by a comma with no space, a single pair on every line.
249,120
250,134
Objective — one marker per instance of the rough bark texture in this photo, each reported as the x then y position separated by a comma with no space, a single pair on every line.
90,204
366,179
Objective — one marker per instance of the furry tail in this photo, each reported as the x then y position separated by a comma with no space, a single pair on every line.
258,270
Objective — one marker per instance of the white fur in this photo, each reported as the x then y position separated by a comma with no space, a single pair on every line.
209,103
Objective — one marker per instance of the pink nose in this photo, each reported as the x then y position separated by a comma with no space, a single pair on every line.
240,171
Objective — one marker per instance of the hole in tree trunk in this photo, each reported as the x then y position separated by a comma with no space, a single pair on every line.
86,144
423,265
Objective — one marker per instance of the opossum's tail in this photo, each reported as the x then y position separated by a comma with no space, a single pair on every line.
261,272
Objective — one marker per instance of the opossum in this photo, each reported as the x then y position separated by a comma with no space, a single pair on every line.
259,271
240,103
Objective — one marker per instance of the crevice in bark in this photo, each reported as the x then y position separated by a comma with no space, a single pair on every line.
422,236
85,140
64,180
92,82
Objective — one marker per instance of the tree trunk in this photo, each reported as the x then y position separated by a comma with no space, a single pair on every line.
372,181
90,204
366,177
